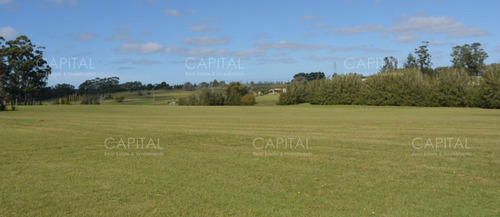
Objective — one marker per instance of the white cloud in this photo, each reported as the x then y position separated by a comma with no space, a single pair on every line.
120,33
146,48
119,36
202,28
205,41
63,2
125,68
322,58
8,32
173,12
407,38
247,54
308,18
325,58
143,61
288,45
124,28
364,48
207,52
5,2
192,11
84,36
276,60
448,26
357,29
377,50
320,26
151,47
439,43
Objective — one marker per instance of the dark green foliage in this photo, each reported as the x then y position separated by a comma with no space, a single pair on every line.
295,93
100,86
470,58
489,91
133,86
23,71
188,86
204,97
452,87
424,58
341,89
403,87
411,62
304,77
390,63
234,92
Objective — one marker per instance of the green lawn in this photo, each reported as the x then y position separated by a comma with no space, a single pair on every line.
361,161
269,99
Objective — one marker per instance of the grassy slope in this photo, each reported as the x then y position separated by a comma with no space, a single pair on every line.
52,162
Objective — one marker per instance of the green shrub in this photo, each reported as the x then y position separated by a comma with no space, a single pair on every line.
119,98
203,97
490,88
61,101
234,92
248,99
295,94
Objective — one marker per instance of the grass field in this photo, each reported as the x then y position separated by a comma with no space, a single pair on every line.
210,161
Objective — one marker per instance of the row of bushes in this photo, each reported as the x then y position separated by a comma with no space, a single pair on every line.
235,94
86,99
404,87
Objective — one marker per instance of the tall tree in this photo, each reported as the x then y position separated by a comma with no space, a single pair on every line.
424,58
390,64
27,70
188,86
411,62
234,92
469,57
305,77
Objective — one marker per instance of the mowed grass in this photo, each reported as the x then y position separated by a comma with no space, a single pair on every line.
53,163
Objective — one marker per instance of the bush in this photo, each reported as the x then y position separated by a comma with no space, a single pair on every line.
90,100
234,92
61,101
203,97
248,99
295,94
451,87
119,98
490,88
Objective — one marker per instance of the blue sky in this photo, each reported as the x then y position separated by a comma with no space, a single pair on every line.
176,41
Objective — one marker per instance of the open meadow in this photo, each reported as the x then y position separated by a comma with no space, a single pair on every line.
303,160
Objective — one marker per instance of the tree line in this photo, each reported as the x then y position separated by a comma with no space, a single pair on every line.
235,93
467,83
